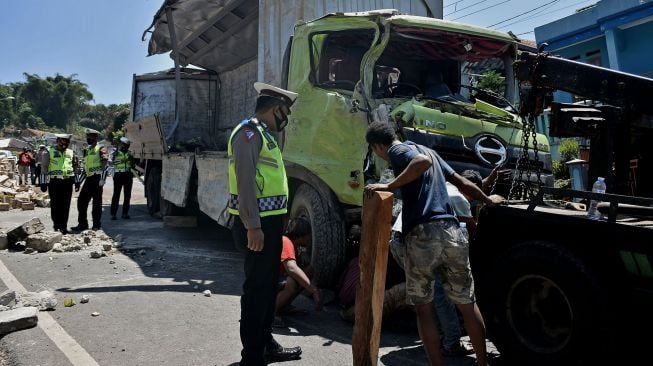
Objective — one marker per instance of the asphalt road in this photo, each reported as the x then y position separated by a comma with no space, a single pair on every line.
157,315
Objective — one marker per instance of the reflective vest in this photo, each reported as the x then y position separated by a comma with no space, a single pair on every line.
61,164
122,162
271,180
92,161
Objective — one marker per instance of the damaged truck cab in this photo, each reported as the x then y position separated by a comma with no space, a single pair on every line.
419,74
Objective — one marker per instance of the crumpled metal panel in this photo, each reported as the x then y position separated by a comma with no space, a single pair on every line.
175,182
212,183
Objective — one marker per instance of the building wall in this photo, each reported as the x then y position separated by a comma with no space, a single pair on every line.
636,43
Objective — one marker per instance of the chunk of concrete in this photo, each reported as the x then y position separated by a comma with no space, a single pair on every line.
4,242
43,241
28,206
22,231
5,207
17,319
8,298
43,300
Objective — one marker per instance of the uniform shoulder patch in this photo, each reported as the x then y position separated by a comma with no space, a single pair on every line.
248,133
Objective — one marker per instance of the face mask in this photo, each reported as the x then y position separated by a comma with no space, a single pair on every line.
281,121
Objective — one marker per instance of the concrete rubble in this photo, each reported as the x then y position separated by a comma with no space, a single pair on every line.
44,300
32,237
15,196
17,319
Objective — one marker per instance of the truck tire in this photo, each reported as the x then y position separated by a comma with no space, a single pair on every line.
327,248
548,309
153,190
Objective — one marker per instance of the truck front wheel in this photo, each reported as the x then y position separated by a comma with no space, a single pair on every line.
547,307
326,249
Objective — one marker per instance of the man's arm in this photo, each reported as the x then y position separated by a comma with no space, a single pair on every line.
417,166
470,189
246,148
302,279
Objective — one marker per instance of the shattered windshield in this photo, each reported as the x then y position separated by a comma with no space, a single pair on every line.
444,66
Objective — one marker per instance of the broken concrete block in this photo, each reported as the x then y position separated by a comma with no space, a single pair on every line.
180,221
3,178
57,248
43,241
8,298
87,240
107,246
21,232
43,300
5,207
30,250
25,197
97,254
17,319
43,202
84,299
4,242
27,206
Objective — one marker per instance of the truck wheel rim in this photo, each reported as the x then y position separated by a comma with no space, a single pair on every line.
540,314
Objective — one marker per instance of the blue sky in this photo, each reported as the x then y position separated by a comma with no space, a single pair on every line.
100,40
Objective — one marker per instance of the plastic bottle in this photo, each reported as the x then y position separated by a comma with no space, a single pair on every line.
463,228
598,187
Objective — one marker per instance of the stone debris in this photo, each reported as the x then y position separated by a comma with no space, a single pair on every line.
4,242
29,250
207,293
15,196
84,299
95,313
97,254
17,319
32,235
8,298
22,231
112,262
44,300
43,241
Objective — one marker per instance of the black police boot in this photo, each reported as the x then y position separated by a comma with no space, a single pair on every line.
274,352
79,227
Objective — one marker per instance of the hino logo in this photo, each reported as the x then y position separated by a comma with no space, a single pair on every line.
490,150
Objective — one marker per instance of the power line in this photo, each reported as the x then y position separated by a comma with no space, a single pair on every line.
480,10
524,13
539,14
521,34
466,7
453,3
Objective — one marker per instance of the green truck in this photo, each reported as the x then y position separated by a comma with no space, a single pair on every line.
419,74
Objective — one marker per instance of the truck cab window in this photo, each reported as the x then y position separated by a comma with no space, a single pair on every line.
336,58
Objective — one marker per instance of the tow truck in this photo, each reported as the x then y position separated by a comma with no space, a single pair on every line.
555,287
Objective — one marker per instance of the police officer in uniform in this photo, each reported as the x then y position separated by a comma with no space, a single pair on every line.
95,163
123,162
258,190
57,174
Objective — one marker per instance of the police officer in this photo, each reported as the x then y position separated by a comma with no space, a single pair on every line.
95,163
123,162
258,190
57,172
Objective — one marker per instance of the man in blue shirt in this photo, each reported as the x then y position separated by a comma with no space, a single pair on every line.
433,241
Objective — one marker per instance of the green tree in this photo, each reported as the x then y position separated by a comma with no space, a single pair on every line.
58,100
568,149
493,81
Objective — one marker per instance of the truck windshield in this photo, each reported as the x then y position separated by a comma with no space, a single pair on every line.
444,66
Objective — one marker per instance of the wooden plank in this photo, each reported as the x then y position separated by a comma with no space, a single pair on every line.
373,261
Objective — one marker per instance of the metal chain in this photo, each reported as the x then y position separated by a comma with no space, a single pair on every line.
524,163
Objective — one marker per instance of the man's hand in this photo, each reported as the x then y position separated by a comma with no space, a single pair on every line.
375,187
255,239
495,199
